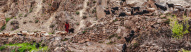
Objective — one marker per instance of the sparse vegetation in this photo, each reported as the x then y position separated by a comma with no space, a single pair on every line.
25,15
83,32
178,28
77,12
94,1
77,24
49,4
114,35
20,15
115,20
65,39
26,47
167,22
36,21
2,48
183,50
52,26
7,19
84,17
30,10
3,27
110,42
94,11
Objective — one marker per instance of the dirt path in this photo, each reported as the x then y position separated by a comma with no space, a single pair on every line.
81,15
39,6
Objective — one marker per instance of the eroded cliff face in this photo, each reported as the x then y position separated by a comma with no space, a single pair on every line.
99,25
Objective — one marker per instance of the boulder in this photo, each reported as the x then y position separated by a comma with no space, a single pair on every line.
100,12
44,33
6,34
25,33
151,9
55,6
128,23
135,2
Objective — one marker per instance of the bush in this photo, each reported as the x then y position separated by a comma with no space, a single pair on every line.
2,47
20,15
36,21
178,28
183,50
3,27
27,47
7,19
77,13
30,10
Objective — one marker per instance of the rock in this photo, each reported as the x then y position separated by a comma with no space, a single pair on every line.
100,12
117,23
161,16
134,3
59,49
128,23
1,34
61,33
151,9
55,5
44,33
6,34
24,33
160,21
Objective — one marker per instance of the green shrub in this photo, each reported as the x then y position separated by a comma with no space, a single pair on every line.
177,28
27,47
84,32
7,19
2,47
94,1
20,15
36,21
77,13
30,10
94,11
185,50
3,27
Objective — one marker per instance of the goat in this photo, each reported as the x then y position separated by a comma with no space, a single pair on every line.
128,39
145,11
113,11
71,30
136,8
106,11
124,47
170,5
132,33
161,7
20,34
122,14
123,0
37,45
138,13
115,8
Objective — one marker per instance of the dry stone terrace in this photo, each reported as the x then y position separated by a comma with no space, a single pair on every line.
99,25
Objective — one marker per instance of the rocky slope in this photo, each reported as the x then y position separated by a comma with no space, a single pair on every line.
100,25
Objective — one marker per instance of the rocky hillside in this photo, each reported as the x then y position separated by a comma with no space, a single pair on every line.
99,25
